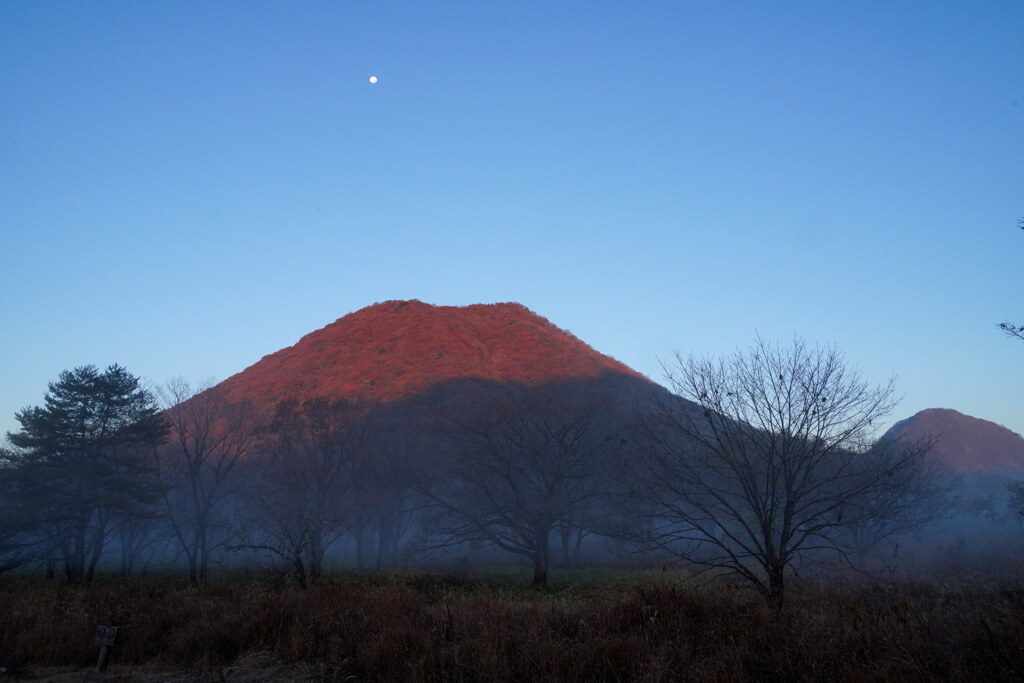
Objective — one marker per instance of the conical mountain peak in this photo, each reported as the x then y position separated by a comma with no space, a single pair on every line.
396,349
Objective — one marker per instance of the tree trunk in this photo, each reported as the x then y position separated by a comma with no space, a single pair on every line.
580,533
204,554
299,569
99,538
193,572
396,538
361,549
541,560
94,559
565,532
126,558
133,539
74,561
384,540
540,572
776,589
315,549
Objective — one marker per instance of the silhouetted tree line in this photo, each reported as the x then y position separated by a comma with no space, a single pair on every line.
81,470
754,465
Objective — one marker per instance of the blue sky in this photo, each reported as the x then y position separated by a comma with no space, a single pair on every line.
186,187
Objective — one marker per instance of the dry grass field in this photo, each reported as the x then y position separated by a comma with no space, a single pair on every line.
602,625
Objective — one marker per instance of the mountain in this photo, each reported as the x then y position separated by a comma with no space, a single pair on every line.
398,349
965,443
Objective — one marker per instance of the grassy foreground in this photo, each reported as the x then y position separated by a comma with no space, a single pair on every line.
602,625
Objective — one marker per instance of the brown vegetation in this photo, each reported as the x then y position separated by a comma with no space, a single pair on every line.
589,626
397,349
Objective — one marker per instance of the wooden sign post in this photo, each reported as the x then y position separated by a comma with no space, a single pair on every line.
105,636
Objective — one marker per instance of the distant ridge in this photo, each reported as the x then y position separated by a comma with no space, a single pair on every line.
396,349
965,443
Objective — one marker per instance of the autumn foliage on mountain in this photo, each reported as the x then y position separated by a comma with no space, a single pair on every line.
397,349
965,443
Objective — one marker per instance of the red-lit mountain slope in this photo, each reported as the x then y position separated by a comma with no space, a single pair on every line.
966,443
397,349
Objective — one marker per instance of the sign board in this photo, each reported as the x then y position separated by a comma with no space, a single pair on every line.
105,636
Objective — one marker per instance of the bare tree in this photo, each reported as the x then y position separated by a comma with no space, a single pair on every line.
523,462
137,536
21,540
200,466
913,496
1012,329
388,471
301,498
769,462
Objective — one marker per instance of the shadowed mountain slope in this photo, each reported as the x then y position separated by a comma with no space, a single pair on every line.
965,443
398,349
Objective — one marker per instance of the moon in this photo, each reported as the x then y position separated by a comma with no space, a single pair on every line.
373,79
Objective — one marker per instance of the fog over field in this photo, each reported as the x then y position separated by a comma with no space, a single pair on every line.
410,435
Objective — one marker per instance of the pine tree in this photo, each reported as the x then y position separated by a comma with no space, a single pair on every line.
83,461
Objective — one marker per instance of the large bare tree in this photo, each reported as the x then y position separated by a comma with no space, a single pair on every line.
201,467
387,474
301,501
523,462
769,462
